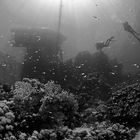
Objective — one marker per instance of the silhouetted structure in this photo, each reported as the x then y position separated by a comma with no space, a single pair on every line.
42,51
129,29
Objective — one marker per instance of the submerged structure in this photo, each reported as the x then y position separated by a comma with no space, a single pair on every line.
43,51
129,29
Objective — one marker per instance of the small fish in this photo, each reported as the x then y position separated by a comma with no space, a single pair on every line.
4,65
136,65
112,73
44,72
96,18
115,66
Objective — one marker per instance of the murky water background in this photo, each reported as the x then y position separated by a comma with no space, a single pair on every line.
82,24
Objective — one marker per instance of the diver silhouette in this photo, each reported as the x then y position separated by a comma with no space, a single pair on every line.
129,29
101,45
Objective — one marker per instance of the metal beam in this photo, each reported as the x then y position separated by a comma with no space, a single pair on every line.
59,28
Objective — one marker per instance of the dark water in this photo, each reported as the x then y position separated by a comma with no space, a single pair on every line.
34,34
70,41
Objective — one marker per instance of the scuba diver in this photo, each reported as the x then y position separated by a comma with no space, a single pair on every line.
129,29
101,45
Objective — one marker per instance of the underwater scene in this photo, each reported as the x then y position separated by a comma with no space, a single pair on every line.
69,69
